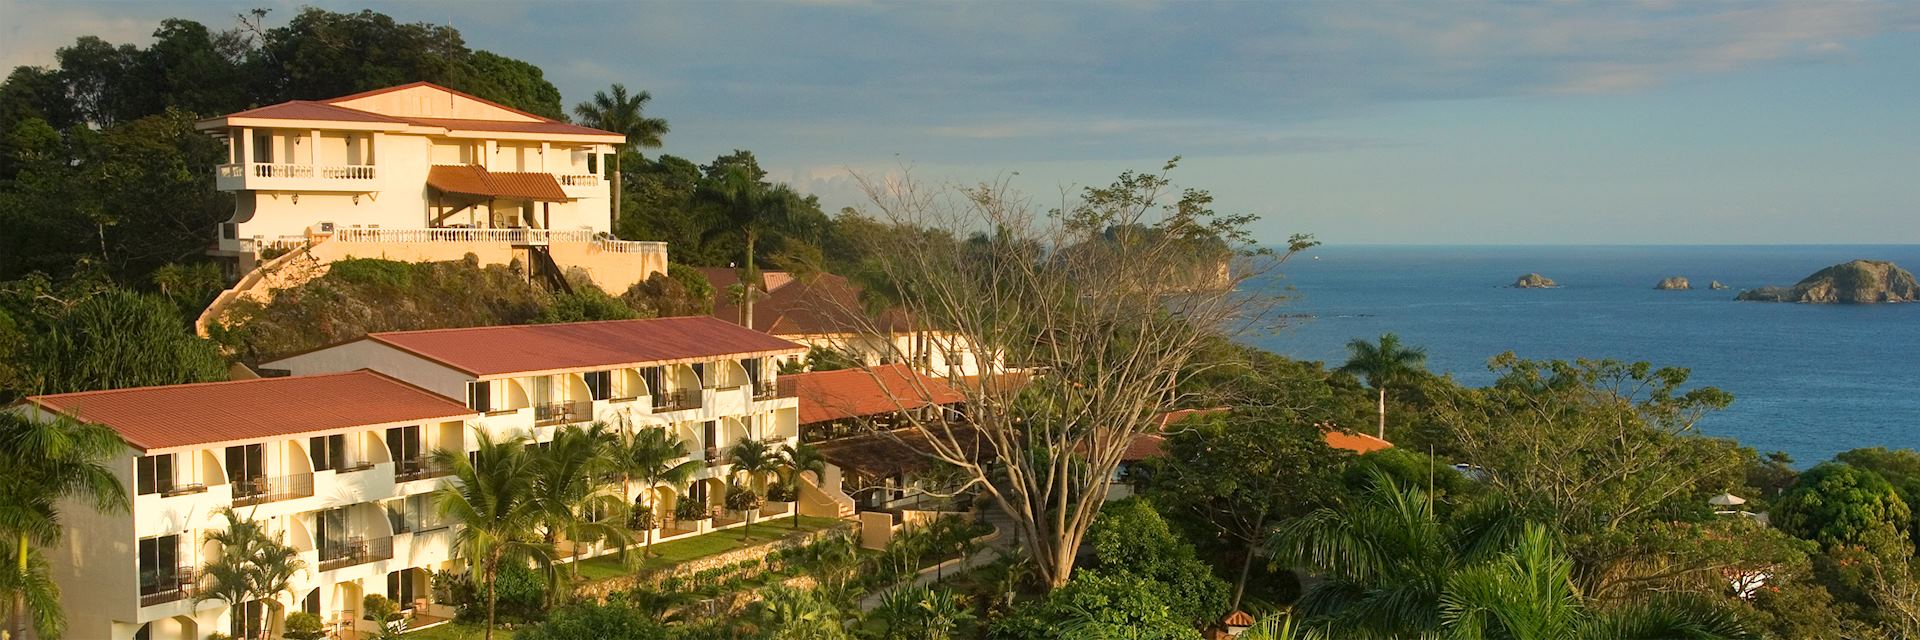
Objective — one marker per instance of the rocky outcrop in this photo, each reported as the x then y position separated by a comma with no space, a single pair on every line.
1715,285
1534,281
1857,282
1675,283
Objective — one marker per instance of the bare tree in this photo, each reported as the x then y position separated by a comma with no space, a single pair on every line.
1086,317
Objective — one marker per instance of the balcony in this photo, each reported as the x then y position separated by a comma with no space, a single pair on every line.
418,469
764,390
562,412
676,400
169,588
581,185
265,489
296,177
355,551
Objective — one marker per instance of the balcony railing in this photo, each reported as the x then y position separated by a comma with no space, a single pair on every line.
287,170
563,412
578,179
355,551
632,246
504,236
765,390
676,400
418,469
169,588
265,489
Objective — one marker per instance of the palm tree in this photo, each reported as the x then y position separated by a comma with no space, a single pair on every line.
796,459
654,457
755,461
1382,365
1528,594
1391,568
1384,560
614,110
494,503
47,463
569,499
253,567
751,206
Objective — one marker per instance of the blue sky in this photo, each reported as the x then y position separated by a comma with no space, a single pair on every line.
1361,122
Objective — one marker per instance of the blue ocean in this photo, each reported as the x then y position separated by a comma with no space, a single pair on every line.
1810,380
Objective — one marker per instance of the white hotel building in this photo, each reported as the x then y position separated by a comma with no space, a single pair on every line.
335,458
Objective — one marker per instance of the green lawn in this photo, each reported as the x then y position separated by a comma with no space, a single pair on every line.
671,553
458,631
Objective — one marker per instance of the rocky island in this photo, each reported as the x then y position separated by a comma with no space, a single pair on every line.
1716,286
1676,283
1856,282
1534,281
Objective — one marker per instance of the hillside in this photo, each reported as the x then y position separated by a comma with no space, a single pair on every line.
360,296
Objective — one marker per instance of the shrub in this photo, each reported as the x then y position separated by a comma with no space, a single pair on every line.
1130,538
304,626
690,510
389,274
593,621
1094,605
741,497
521,593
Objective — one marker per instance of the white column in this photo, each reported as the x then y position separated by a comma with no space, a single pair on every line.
246,145
492,148
313,147
545,148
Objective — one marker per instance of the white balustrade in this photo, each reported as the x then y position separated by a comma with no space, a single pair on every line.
282,170
578,179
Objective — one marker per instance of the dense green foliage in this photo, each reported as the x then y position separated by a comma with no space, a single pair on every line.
1838,504
1130,538
87,336
359,296
616,619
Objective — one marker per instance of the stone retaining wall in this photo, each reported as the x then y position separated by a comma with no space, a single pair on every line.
599,589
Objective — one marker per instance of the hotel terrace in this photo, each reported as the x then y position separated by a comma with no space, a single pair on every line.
336,458
416,172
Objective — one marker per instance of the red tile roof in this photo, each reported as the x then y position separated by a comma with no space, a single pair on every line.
1150,445
189,414
310,110
852,393
477,180
1356,442
504,126
330,110
819,304
484,351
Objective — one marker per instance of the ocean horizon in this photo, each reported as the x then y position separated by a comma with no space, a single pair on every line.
1810,380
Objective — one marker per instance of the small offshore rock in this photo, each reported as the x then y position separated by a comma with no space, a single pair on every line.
1534,281
1675,283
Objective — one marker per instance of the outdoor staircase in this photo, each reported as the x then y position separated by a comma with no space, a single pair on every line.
543,269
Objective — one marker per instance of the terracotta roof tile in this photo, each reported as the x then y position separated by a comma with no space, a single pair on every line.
330,110
476,180
484,351
189,414
819,304
901,451
310,110
851,393
1356,442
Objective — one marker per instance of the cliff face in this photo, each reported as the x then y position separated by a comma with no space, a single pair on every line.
1534,281
1857,282
1675,283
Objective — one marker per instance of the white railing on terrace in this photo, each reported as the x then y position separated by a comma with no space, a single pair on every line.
275,170
518,236
578,179
631,246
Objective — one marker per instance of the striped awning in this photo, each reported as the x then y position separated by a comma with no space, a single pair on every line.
476,180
